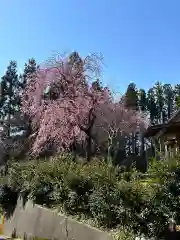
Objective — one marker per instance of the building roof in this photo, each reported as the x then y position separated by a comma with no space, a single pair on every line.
174,117
153,130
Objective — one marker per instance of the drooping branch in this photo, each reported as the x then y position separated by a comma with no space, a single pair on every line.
64,107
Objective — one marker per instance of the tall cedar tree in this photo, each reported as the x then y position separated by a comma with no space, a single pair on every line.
160,102
142,100
143,108
169,96
30,68
131,97
10,95
151,106
177,96
131,102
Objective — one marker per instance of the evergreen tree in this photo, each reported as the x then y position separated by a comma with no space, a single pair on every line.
131,97
97,85
143,108
2,99
159,96
131,102
10,89
151,106
10,112
30,68
177,96
169,97
75,60
142,100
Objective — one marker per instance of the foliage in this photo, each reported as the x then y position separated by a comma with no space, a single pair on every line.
62,110
66,107
10,86
109,196
131,97
124,234
13,125
87,128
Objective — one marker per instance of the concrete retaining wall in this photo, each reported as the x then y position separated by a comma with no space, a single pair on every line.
44,223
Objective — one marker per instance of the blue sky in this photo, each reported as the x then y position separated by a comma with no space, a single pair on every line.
140,39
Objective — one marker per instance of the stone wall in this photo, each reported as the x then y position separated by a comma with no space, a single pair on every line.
38,221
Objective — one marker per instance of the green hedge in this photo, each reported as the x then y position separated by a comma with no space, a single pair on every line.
107,196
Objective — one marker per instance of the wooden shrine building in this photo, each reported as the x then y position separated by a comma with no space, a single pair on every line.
166,137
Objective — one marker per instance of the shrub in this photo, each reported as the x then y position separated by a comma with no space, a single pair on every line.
8,200
124,234
103,207
80,188
108,195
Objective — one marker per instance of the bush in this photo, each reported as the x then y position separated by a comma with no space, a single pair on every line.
103,207
124,234
8,200
108,195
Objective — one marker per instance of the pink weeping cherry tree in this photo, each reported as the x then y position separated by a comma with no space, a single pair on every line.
64,107
115,121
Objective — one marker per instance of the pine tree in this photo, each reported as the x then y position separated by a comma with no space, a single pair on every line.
143,108
30,68
97,85
142,100
159,95
10,112
177,96
2,99
151,106
10,103
169,97
131,102
75,59
131,97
